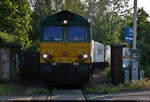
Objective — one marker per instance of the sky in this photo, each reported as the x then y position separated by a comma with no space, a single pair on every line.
142,3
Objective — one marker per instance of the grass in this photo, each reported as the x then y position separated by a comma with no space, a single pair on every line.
34,91
109,88
107,73
17,90
6,90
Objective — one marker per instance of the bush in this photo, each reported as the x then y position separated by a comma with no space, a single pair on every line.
146,71
7,38
110,88
34,91
107,72
6,90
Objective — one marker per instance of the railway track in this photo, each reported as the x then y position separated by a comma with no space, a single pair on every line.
78,94
67,94
57,94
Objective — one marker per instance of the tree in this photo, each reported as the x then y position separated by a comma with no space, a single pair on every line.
44,8
75,6
108,16
143,31
15,20
128,22
143,35
108,25
41,9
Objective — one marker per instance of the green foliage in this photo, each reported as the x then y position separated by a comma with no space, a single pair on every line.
110,88
15,20
34,91
107,73
143,31
42,9
4,90
45,8
146,69
18,90
75,6
143,36
108,16
7,38
107,28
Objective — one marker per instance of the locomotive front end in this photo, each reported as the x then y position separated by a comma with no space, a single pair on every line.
65,49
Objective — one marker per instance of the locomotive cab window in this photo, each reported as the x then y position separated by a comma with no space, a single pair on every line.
53,33
77,33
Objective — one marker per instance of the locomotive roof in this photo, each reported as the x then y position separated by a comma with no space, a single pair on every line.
65,15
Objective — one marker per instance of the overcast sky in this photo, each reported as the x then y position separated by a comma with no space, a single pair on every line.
142,3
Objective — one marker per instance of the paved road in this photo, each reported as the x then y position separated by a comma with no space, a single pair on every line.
135,95
76,94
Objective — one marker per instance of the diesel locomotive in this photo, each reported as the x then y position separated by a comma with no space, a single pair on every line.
65,49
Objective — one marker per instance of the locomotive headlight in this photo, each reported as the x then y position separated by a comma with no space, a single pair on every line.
65,21
45,56
85,56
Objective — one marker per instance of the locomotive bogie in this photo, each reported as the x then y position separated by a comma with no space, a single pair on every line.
65,73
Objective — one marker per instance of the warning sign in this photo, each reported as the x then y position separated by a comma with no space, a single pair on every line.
126,57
